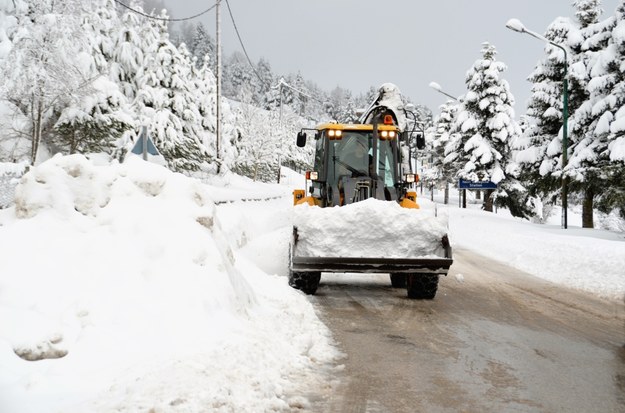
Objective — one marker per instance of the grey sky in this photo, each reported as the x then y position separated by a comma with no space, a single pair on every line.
361,43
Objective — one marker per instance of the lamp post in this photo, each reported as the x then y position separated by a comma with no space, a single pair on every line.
463,199
438,88
517,26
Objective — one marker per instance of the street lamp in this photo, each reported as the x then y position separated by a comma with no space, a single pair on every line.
517,26
438,88
463,198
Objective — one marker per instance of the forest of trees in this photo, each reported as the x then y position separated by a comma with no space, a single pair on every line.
85,77
478,138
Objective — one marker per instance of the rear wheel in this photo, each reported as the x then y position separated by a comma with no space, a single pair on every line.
422,285
305,281
398,280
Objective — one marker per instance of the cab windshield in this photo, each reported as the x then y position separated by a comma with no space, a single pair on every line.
352,156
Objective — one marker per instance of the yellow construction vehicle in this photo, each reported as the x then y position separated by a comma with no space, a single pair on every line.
360,162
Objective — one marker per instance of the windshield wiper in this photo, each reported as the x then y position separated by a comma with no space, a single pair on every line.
355,172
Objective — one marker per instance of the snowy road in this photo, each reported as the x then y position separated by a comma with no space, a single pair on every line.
493,340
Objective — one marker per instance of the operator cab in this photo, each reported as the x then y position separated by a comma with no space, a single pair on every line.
354,162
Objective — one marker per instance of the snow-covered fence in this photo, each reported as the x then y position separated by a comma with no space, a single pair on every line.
9,176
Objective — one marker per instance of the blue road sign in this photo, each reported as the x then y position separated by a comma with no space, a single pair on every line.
462,184
138,148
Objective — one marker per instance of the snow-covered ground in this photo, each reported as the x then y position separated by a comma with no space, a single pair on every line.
591,260
121,282
144,290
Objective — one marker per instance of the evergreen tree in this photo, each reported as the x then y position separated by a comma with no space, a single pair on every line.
239,82
486,132
541,145
588,40
94,121
167,104
341,105
442,129
597,161
129,54
205,95
265,95
202,45
295,100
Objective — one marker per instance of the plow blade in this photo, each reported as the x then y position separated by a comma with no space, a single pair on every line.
372,265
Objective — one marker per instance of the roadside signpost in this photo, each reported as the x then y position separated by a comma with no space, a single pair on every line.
464,185
144,145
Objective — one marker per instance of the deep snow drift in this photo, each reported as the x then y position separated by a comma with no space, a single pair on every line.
120,281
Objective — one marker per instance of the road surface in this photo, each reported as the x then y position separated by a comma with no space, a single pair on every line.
493,340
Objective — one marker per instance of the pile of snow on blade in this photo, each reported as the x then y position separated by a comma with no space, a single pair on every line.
119,292
369,229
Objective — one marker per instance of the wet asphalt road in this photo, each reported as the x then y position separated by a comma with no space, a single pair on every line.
493,340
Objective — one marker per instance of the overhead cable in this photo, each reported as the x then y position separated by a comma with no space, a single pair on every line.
162,19
243,46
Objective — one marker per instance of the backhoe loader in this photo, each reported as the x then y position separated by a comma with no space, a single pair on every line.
348,217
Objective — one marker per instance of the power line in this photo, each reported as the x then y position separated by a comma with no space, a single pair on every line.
281,82
162,19
243,46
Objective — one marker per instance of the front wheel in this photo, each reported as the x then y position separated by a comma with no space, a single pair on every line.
398,280
308,282
422,286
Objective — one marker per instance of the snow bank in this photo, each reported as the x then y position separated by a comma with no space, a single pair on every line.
371,228
584,259
119,292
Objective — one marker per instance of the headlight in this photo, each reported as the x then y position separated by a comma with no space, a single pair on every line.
335,133
411,178
386,135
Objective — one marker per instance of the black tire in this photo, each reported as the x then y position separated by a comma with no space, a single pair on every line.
305,281
398,280
422,286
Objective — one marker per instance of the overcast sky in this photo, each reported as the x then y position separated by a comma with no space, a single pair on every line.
356,44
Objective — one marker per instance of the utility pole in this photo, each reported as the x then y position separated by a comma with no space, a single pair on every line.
218,63
280,132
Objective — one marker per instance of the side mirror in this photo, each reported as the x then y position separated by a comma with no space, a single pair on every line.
420,141
301,139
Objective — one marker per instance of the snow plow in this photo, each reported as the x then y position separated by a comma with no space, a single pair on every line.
359,213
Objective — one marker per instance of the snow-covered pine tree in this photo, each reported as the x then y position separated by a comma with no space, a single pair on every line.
599,159
315,107
205,95
258,142
167,104
8,23
94,121
295,100
487,132
541,145
239,81
266,95
586,38
337,105
202,45
441,136
129,53
348,113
